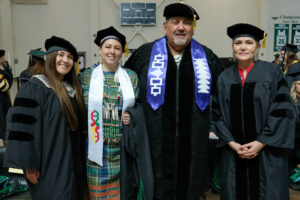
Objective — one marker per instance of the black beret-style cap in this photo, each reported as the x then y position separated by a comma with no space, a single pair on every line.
283,48
296,77
291,47
2,52
245,30
180,10
37,53
56,44
110,33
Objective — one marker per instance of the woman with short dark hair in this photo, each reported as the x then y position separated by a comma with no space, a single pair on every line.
254,121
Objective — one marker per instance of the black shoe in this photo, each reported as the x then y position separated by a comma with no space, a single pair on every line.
295,186
214,189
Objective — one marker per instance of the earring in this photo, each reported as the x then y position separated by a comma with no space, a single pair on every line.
233,57
255,57
100,60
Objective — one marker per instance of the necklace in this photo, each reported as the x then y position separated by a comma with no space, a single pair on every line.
111,98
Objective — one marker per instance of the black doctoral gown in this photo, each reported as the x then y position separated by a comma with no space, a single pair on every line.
26,75
7,78
39,138
291,74
296,153
260,110
297,134
180,160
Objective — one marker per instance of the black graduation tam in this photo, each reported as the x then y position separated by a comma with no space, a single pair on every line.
37,53
2,52
180,10
291,47
245,30
57,44
110,33
276,56
296,77
283,48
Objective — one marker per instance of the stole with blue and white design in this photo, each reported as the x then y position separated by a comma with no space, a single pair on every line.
157,74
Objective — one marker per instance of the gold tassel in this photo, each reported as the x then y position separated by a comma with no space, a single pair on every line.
126,49
264,41
194,23
194,19
77,67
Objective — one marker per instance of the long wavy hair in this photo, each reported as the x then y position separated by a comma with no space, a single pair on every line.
293,92
290,58
31,63
39,67
59,88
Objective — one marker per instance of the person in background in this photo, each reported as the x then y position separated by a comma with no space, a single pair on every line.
294,180
177,77
35,65
46,128
108,90
6,80
292,64
255,122
277,59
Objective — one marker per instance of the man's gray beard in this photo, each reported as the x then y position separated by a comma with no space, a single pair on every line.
180,42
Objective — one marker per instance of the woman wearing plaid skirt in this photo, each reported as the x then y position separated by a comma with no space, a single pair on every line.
108,91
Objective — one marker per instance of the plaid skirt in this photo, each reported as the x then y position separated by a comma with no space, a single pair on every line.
104,182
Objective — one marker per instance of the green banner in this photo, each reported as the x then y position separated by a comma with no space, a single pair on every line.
281,36
296,35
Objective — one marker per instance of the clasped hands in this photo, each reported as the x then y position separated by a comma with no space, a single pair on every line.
247,151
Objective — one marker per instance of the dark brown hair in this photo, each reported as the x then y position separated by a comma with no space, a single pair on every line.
39,67
57,85
290,58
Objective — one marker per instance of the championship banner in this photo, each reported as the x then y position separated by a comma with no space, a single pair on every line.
281,36
296,35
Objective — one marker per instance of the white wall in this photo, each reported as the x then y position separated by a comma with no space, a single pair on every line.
30,31
217,15
26,26
136,35
6,31
34,23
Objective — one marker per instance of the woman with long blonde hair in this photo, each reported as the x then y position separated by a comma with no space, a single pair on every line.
294,180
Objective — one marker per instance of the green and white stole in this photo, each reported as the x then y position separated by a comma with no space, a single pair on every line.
95,110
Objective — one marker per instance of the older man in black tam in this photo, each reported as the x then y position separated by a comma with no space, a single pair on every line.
178,76
6,80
